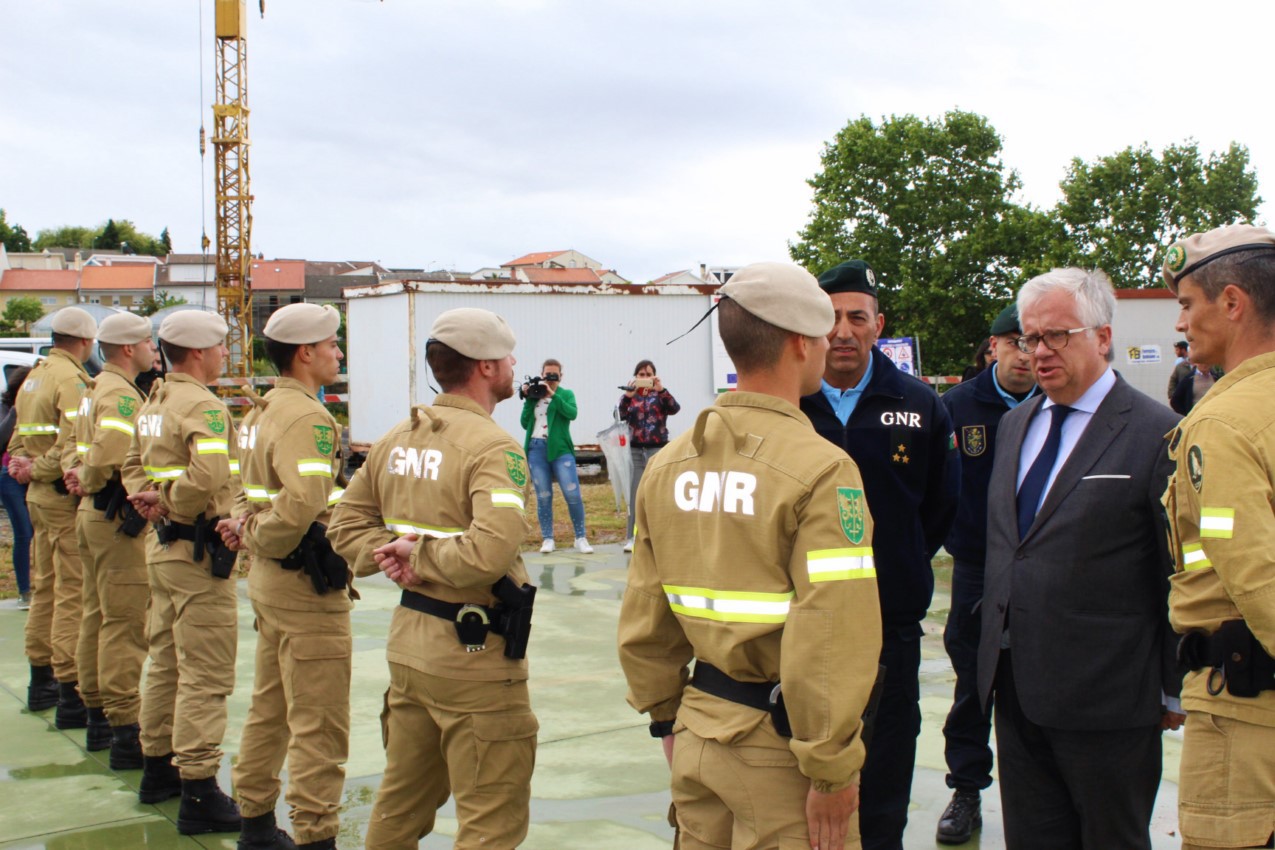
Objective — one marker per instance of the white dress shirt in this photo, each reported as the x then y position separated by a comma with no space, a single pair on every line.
1073,427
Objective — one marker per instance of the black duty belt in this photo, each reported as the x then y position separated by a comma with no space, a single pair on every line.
714,682
510,617
1234,657
169,531
450,611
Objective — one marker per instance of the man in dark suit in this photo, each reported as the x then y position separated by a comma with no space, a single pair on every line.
1075,641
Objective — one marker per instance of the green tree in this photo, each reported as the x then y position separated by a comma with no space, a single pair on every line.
165,243
928,204
66,236
152,304
14,237
1120,212
23,311
109,238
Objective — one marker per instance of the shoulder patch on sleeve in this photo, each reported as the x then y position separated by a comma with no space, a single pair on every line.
850,507
516,466
323,438
216,421
127,405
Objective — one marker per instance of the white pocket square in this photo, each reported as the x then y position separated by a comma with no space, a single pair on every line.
1092,477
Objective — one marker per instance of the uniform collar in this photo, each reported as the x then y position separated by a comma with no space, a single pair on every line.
461,402
760,401
58,352
1249,367
1000,394
115,370
293,384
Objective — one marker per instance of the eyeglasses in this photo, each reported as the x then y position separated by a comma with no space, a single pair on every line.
1054,340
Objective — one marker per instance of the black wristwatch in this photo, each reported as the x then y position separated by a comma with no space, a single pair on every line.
661,728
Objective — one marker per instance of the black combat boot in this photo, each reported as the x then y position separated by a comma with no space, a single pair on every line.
325,844
71,713
42,693
262,833
160,780
99,734
126,749
961,818
205,808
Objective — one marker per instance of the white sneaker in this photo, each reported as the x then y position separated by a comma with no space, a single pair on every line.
628,545
583,547
547,546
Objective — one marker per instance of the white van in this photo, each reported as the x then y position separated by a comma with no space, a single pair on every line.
41,346
11,361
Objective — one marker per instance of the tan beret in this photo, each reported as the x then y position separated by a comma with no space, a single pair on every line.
193,329
477,334
303,324
72,321
1187,255
124,329
784,295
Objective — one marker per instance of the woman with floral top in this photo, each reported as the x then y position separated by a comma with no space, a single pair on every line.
646,406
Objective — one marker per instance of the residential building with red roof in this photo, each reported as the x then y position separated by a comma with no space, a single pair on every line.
53,288
118,285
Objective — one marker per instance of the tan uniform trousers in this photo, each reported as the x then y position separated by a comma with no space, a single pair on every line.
53,623
300,709
193,630
1226,793
112,644
745,796
473,740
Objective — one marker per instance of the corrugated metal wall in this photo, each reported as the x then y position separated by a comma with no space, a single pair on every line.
599,338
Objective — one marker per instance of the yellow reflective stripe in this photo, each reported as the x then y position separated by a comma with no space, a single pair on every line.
37,428
212,447
314,466
234,466
72,414
402,527
507,499
1193,557
82,448
728,606
335,495
259,494
121,425
840,564
1217,523
161,473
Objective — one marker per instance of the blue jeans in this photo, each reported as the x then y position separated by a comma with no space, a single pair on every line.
543,474
14,497
641,455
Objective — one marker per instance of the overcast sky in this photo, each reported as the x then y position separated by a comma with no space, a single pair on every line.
652,136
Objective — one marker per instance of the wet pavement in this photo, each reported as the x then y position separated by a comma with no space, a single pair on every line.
600,782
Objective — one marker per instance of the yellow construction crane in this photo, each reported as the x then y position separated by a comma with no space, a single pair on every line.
232,188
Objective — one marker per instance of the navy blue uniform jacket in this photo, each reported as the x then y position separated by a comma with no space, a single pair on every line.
901,438
976,409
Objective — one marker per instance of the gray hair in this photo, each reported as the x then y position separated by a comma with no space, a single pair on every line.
1095,296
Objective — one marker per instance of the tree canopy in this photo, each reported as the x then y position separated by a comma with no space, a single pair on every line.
13,236
930,204
22,311
117,234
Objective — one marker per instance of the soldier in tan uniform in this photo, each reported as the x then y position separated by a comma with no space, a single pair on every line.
113,551
179,476
777,607
42,449
439,507
290,460
1220,505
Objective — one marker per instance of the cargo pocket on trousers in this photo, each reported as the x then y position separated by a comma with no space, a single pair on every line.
322,674
506,749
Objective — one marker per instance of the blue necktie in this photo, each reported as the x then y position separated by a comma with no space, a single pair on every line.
1034,483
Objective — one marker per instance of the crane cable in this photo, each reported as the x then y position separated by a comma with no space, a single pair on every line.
203,197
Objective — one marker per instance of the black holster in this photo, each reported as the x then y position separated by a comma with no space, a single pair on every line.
204,540
510,617
1238,660
113,501
513,615
315,556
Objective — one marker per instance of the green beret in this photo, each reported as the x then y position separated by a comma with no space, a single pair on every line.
850,276
1006,322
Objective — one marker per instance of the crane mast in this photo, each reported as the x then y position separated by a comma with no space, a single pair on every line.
232,189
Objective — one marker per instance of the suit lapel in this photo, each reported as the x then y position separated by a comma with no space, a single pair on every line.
1104,426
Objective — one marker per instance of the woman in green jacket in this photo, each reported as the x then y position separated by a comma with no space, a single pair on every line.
551,454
